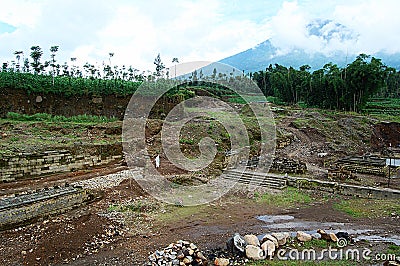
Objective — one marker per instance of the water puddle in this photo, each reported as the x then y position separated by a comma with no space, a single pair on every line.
288,223
376,238
273,218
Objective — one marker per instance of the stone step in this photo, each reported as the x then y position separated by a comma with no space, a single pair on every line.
256,179
260,179
257,175
261,184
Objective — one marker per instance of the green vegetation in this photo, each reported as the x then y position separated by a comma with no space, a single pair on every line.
368,208
394,249
21,133
51,77
178,213
186,141
314,243
59,118
331,87
288,198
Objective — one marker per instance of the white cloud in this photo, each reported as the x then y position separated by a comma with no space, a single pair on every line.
135,31
373,26
376,21
190,30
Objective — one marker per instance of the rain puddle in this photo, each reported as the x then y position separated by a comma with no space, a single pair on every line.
288,223
273,218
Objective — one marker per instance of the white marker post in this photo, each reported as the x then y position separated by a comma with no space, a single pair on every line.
158,161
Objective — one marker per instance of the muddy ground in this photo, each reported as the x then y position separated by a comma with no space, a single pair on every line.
94,234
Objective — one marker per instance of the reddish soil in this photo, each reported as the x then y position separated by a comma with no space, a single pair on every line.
83,237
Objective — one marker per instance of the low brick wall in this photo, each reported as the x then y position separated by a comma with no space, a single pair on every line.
28,165
25,208
343,189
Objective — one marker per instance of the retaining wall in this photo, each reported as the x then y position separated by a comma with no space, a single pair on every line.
22,209
28,165
344,189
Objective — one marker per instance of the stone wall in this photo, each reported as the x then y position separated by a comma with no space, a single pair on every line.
22,209
30,165
363,164
286,165
343,189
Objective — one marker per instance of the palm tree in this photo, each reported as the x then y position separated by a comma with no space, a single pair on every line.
111,55
176,61
18,57
53,50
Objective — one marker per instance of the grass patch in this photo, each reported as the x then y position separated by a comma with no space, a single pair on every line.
288,198
368,208
314,243
177,213
394,249
44,117
302,263
186,141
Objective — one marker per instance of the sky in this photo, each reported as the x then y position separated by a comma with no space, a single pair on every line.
206,30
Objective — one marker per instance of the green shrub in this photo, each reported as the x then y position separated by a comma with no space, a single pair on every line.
43,117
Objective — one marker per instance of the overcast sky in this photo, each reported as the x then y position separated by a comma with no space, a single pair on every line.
136,31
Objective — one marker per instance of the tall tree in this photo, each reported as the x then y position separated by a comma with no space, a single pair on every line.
159,65
176,61
18,57
53,50
36,54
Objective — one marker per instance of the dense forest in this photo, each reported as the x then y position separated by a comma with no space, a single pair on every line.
332,87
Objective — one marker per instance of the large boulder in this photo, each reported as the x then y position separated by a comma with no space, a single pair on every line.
254,253
270,238
269,248
281,238
252,240
303,237
236,244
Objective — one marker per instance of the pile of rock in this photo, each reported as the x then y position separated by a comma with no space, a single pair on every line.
255,248
179,253
287,165
106,181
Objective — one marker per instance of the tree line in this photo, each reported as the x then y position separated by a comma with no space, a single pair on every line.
333,87
342,88
34,74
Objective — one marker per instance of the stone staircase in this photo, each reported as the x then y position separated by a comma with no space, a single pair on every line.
259,179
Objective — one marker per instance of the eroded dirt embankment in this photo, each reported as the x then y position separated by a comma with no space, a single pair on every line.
19,101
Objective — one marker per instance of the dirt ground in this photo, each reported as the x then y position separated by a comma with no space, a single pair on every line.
92,235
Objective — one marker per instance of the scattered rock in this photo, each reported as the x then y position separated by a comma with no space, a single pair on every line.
344,235
39,99
269,248
179,253
254,253
221,262
330,237
281,238
303,237
252,240
333,237
270,238
236,244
